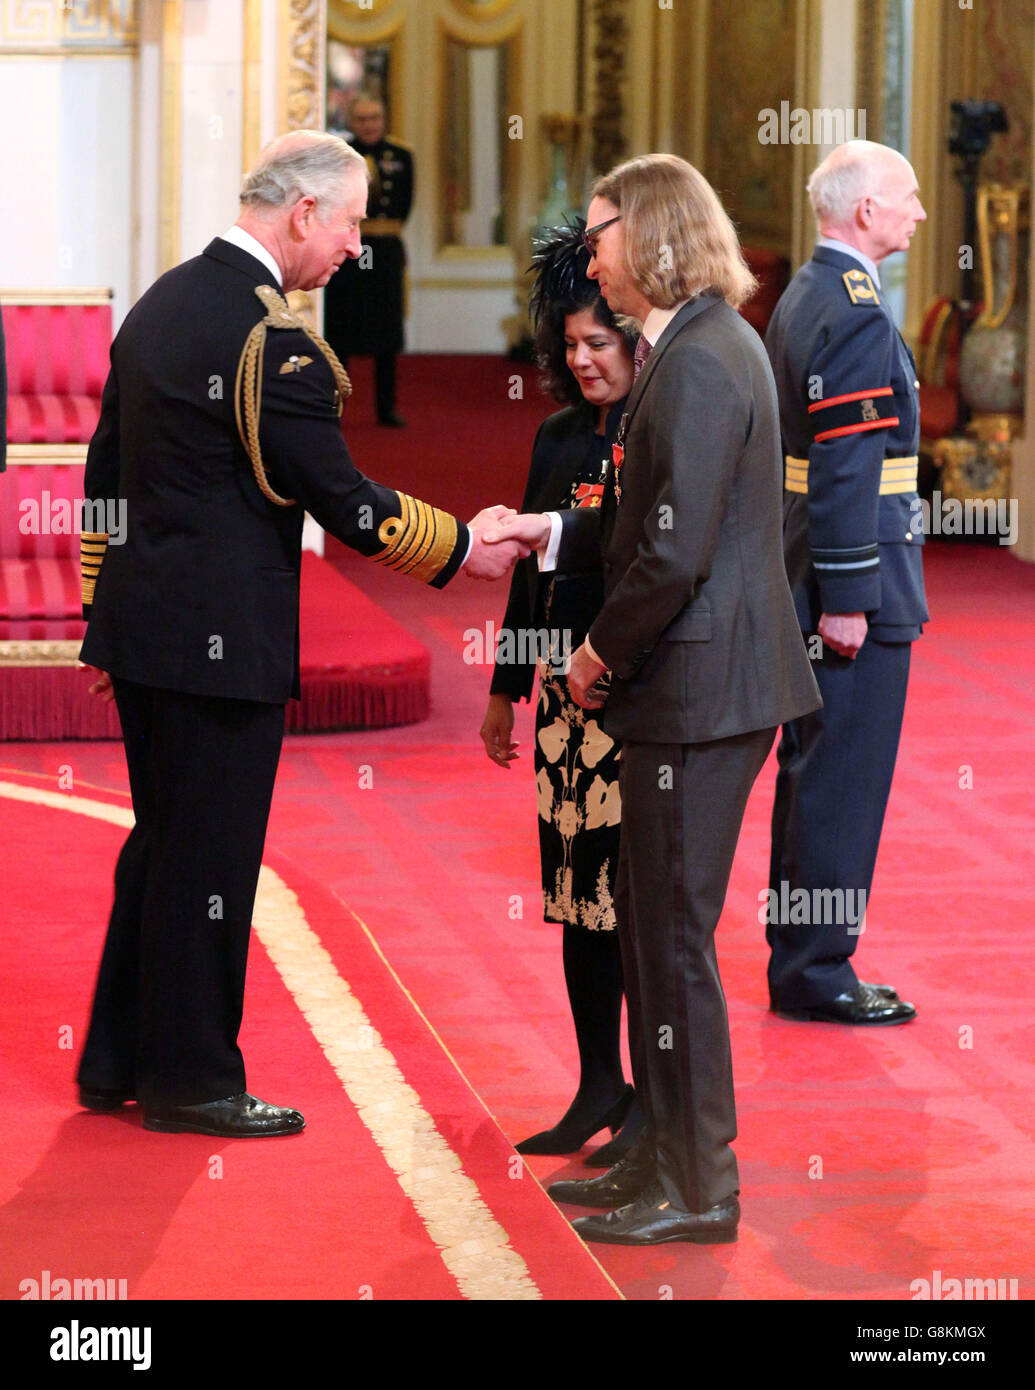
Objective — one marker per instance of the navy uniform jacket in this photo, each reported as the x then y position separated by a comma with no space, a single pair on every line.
201,596
364,303
850,420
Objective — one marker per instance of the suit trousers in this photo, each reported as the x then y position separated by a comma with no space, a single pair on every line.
682,808
832,790
170,990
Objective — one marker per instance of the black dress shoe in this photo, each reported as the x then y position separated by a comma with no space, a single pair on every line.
237,1117
98,1098
863,1004
575,1129
889,991
623,1183
652,1220
393,421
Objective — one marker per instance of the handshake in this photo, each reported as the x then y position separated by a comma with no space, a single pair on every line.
499,537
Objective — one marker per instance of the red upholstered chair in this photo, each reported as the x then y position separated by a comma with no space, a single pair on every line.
57,345
57,362
772,271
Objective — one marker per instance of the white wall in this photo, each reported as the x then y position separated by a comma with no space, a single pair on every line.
65,170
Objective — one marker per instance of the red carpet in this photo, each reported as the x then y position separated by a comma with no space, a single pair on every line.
317,1216
870,1159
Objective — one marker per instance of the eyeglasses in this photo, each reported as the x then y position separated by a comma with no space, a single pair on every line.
589,236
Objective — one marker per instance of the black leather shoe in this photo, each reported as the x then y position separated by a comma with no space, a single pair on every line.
237,1117
622,1184
393,421
570,1135
98,1098
863,1004
652,1220
889,991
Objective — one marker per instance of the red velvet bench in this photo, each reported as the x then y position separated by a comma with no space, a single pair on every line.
360,668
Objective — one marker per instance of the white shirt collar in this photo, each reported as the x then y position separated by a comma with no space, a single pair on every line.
237,236
869,266
658,320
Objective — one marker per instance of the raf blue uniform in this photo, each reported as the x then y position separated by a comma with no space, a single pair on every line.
849,417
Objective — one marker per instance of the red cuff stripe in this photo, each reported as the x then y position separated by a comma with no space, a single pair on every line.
851,396
856,429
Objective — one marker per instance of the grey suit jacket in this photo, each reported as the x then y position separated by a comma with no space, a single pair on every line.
698,626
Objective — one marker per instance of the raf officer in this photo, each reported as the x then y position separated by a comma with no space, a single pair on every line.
363,302
193,619
852,544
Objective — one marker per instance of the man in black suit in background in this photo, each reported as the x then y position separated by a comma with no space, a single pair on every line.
364,303
706,660
193,620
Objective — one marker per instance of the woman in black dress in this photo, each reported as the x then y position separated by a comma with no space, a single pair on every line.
586,357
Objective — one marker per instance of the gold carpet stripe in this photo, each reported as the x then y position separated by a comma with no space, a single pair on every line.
473,1245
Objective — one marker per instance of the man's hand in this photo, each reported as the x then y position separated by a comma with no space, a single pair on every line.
102,686
844,632
531,528
492,561
582,679
496,730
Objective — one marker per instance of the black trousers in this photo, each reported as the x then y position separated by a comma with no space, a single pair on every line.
832,789
170,990
682,808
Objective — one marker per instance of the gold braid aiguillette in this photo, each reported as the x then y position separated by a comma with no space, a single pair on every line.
248,386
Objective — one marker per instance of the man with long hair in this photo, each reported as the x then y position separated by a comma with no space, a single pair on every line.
706,659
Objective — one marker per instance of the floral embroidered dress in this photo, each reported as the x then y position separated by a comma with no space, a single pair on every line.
576,762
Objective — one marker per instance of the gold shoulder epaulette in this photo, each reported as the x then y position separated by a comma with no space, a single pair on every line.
860,287
248,386
394,140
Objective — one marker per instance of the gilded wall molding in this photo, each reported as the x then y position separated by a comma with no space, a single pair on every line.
51,27
171,134
611,36
303,31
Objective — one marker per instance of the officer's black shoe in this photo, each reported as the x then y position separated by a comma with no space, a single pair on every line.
616,1188
889,991
863,1004
652,1220
98,1098
238,1117
393,421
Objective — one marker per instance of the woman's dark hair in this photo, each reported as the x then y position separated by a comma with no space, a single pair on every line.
562,288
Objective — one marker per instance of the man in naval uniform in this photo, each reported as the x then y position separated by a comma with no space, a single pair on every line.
852,543
219,428
363,302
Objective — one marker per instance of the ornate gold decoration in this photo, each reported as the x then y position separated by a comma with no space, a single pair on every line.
302,55
973,468
609,50
248,386
419,542
40,653
68,26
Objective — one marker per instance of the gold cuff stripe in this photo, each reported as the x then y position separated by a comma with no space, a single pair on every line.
420,541
92,548
896,475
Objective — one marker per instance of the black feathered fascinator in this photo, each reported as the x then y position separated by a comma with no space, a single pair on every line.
559,262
